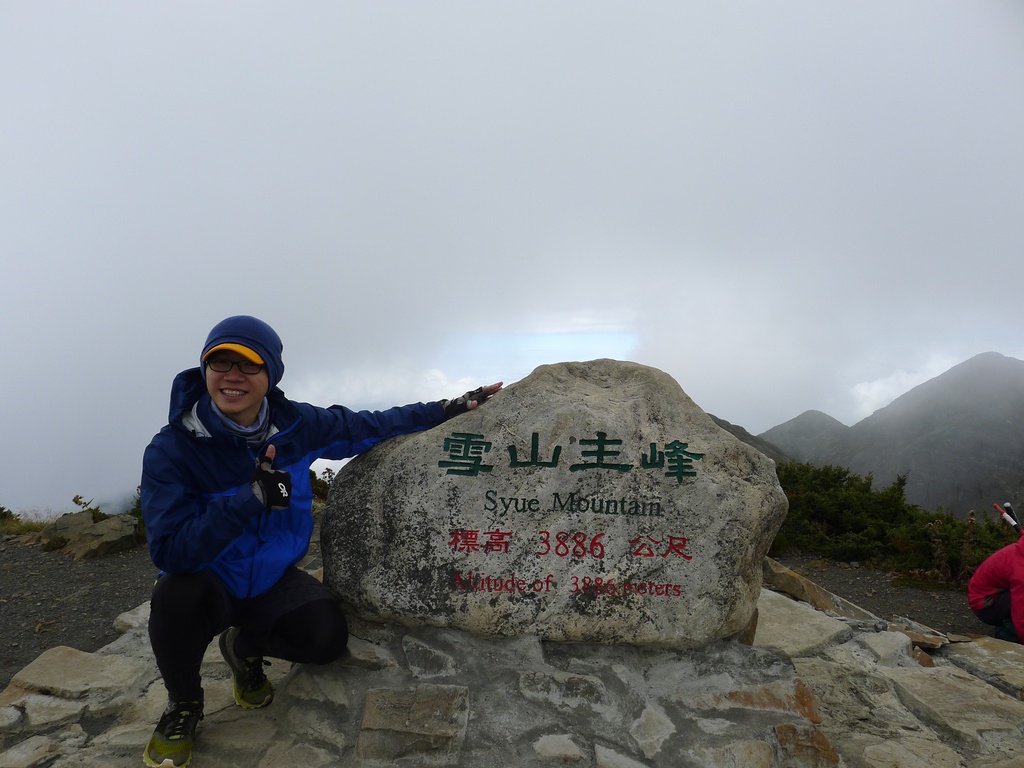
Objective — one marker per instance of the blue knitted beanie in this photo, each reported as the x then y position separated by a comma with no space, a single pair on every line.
251,338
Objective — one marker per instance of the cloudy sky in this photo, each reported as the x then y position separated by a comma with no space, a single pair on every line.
784,205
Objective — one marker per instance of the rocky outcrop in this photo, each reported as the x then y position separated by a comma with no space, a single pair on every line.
81,535
589,502
817,688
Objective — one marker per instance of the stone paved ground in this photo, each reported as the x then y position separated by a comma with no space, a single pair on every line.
815,690
47,599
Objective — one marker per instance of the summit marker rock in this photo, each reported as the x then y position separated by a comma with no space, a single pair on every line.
591,502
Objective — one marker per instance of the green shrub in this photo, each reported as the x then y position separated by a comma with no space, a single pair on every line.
320,487
836,514
135,510
88,506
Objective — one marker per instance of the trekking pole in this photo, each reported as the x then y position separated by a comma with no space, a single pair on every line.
1009,516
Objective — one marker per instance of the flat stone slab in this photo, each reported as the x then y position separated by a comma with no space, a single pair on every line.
777,615
910,752
72,674
970,711
783,579
995,661
428,722
891,649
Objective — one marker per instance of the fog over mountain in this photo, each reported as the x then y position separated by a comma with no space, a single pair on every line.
958,438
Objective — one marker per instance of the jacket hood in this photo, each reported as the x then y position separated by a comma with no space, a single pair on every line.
187,389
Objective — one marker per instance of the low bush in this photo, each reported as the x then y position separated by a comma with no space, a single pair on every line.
838,515
12,524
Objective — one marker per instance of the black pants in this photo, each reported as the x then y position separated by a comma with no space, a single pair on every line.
996,610
298,620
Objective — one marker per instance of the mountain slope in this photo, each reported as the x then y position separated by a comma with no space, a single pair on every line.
767,448
812,436
959,438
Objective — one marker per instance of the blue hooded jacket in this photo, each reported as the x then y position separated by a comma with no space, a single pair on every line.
197,502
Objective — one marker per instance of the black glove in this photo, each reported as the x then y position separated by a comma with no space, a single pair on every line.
273,487
461,404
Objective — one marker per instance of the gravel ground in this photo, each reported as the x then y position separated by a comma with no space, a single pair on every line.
48,599
943,609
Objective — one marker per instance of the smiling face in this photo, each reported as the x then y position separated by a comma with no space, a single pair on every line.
238,395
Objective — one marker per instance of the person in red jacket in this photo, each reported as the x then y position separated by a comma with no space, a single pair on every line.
996,591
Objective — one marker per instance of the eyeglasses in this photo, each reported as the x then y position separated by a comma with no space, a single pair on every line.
222,365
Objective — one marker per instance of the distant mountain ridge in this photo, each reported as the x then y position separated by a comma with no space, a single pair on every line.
959,438
765,447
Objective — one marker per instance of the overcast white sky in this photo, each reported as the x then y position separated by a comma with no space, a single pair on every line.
784,205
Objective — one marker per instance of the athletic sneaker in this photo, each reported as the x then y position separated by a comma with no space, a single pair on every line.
171,743
252,689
